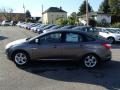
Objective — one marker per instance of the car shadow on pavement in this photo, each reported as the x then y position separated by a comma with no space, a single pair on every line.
106,75
116,45
2,38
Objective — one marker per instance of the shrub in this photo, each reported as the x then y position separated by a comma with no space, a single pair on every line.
103,25
116,25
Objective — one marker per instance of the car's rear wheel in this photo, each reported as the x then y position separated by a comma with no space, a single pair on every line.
111,40
20,58
90,61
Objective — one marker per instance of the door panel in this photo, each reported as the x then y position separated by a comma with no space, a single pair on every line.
47,51
72,50
73,46
49,46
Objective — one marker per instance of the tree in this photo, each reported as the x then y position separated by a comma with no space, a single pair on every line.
82,9
115,6
61,21
92,22
71,20
28,14
104,7
74,14
7,13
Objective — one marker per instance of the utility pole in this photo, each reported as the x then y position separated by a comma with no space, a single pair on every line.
42,13
24,11
87,15
24,8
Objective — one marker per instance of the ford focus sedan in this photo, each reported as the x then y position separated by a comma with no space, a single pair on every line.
60,45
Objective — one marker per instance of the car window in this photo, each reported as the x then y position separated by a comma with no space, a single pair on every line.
94,37
90,38
104,30
73,38
51,38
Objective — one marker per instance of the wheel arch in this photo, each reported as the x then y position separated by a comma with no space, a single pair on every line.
91,54
110,37
19,50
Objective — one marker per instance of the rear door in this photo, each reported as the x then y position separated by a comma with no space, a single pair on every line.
73,46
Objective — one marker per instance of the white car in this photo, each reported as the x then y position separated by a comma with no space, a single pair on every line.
6,23
110,35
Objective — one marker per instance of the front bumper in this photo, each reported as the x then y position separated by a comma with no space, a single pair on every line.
7,52
117,39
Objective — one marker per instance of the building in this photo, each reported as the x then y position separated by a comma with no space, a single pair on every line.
99,17
12,16
53,13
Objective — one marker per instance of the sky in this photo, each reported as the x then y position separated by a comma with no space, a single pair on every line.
35,6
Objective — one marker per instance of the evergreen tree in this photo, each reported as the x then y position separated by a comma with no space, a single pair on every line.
115,6
82,9
28,14
104,7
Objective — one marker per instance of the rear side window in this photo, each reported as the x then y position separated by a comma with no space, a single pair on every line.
88,38
73,38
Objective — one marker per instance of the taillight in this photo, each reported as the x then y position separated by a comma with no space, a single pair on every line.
108,46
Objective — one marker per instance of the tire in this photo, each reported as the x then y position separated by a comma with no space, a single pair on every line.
20,58
90,61
111,40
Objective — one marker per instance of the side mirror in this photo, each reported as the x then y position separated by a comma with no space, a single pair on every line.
37,41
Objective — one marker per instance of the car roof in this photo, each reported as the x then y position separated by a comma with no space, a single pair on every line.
65,30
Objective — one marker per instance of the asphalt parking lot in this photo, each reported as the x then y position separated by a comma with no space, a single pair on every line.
51,75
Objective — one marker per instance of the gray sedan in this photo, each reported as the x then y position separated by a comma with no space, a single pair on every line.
60,45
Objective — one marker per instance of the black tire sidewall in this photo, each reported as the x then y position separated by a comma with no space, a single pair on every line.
112,39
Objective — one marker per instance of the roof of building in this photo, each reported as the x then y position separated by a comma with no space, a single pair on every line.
54,9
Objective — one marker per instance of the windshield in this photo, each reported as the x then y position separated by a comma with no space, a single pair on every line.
112,31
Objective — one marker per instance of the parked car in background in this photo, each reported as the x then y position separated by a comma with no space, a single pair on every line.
32,25
52,28
67,27
36,27
40,30
111,35
6,23
60,45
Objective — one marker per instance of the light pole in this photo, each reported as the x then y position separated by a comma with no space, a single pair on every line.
24,11
42,13
87,15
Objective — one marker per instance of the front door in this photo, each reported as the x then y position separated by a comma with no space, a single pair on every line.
49,46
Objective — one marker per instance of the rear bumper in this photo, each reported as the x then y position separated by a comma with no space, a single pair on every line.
106,58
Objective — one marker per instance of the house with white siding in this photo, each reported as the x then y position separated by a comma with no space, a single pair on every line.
99,17
53,13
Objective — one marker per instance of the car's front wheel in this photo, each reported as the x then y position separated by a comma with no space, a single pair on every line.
20,58
90,61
